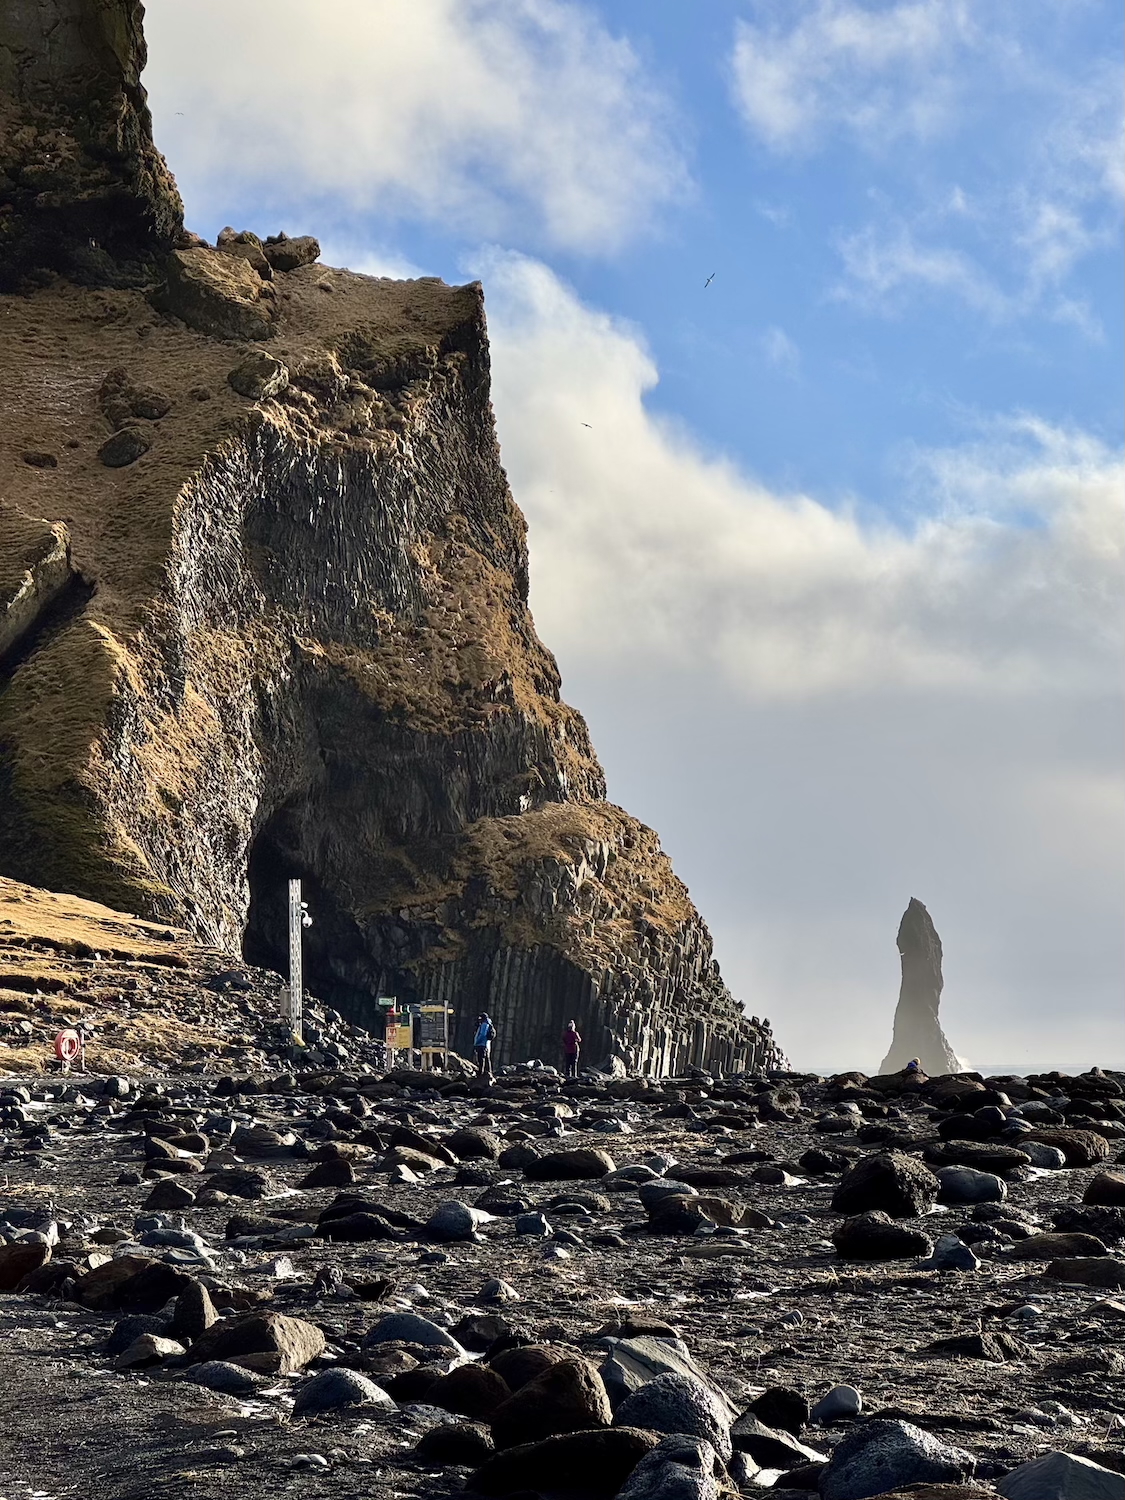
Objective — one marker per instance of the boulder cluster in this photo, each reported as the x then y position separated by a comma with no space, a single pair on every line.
541,1287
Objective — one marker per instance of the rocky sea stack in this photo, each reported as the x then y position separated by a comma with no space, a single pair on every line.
918,1032
263,608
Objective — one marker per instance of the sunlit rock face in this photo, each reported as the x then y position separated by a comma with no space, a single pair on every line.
263,612
917,1030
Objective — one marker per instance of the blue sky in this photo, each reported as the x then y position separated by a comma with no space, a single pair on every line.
833,571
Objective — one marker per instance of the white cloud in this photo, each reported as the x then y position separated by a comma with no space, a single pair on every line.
883,264
1003,236
876,73
675,553
780,351
825,715
474,113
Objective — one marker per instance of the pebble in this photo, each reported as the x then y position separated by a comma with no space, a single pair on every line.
410,1328
498,1291
967,1185
1062,1476
534,1224
839,1404
455,1221
333,1389
951,1254
673,1403
678,1468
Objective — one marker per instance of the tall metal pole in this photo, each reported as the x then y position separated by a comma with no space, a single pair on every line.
296,980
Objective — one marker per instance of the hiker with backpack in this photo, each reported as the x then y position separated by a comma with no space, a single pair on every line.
482,1045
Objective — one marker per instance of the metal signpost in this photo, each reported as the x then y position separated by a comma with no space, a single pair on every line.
298,919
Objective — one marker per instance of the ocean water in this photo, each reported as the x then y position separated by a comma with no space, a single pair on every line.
996,1069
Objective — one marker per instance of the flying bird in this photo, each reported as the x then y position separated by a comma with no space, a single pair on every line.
590,425
709,280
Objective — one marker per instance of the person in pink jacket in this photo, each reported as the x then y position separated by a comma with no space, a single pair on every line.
572,1048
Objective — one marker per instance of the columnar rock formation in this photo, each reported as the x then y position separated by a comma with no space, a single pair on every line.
917,1030
265,593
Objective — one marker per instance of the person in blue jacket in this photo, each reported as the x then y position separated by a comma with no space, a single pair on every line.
482,1045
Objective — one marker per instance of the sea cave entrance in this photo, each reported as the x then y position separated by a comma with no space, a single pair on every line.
341,965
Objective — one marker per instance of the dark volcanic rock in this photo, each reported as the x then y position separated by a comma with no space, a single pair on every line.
781,1407
680,1467
241,1182
1052,1246
882,1456
194,1313
220,295
18,1261
269,1343
875,1236
594,1464
456,1443
1082,1148
473,1145
410,1328
357,1228
967,1185
567,1397
1094,1270
889,1181
1107,1224
259,377
677,1404
124,447
218,1375
332,1390
126,1331
285,254
985,1158
337,1173
133,1283
1062,1476
471,1391
917,1030
997,1347
522,1364
583,1163
772,1448
1106,1190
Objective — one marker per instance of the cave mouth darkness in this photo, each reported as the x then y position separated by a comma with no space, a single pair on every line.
340,969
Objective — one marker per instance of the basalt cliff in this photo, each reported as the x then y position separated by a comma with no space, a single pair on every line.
263,608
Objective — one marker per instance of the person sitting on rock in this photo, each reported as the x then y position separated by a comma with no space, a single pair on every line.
913,1066
572,1047
482,1045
